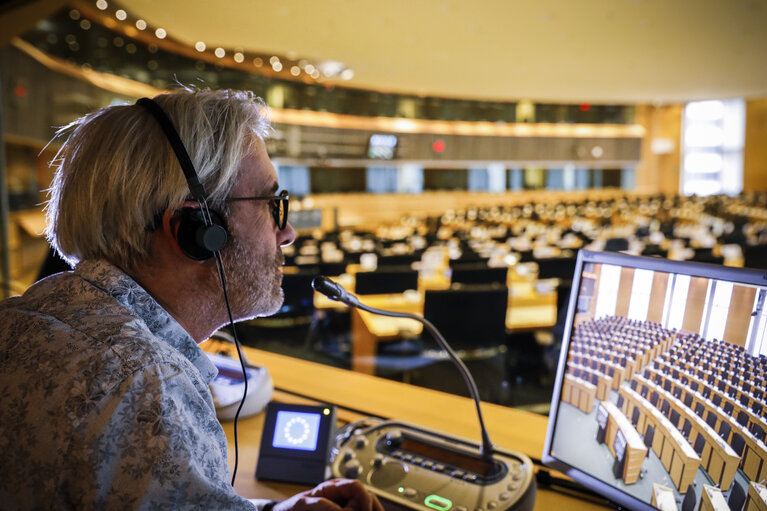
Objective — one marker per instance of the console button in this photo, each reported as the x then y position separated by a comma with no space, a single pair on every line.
409,493
504,496
417,460
457,473
352,469
394,437
377,460
347,455
470,477
407,457
360,442
439,467
492,504
427,464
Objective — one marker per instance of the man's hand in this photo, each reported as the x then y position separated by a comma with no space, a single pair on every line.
332,495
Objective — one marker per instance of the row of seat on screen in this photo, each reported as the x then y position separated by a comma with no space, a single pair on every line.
691,498
742,382
727,357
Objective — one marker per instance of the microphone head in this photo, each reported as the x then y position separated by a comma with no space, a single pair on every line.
326,286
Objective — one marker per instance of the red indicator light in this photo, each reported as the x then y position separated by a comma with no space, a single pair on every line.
20,91
438,146
585,107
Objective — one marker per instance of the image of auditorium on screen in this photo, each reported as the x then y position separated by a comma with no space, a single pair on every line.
663,395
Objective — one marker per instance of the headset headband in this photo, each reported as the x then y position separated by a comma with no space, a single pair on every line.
195,187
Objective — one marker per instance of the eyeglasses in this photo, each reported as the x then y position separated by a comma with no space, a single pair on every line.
279,205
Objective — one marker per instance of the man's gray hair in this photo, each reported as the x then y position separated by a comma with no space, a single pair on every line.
116,171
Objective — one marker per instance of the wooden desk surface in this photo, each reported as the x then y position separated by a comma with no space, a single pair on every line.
365,395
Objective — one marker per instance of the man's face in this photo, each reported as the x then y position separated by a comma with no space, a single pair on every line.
252,256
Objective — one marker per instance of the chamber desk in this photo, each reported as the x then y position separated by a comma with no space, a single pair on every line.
579,393
676,455
361,395
713,499
634,451
663,498
757,497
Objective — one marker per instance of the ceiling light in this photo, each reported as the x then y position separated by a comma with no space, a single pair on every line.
85,24
295,70
309,69
331,68
220,52
239,57
199,46
274,59
277,66
102,5
160,33
121,15
347,74
140,24
258,62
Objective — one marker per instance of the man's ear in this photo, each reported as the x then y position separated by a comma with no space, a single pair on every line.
169,231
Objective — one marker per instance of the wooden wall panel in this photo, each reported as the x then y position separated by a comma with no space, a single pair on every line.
624,292
657,297
659,172
696,300
739,316
755,150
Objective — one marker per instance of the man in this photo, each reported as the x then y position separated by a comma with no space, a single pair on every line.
105,396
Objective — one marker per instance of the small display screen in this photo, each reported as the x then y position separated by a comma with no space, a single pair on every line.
382,146
450,457
296,430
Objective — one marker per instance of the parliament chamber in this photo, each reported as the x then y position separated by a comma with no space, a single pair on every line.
465,198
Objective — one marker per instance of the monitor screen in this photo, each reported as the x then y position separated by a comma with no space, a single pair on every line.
660,384
296,430
382,146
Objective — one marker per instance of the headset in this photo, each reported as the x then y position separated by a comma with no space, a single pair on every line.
201,233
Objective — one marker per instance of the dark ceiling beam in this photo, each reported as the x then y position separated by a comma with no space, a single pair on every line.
18,16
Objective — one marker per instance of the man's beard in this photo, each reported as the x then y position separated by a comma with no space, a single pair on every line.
254,280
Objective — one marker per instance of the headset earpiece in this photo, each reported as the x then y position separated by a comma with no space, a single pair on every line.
196,238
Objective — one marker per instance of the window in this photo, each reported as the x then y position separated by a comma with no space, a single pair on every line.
718,310
678,302
712,144
294,179
640,294
607,296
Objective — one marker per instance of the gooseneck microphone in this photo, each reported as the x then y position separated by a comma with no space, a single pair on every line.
336,292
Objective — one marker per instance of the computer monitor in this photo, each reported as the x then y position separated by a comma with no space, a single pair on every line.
667,320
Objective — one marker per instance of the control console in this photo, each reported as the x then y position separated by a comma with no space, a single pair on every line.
413,467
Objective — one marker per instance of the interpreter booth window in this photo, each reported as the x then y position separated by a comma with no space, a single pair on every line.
381,179
713,136
295,179
488,179
641,288
716,310
673,315
607,294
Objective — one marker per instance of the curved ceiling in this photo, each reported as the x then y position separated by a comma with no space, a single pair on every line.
601,51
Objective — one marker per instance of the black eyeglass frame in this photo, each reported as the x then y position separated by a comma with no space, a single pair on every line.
280,202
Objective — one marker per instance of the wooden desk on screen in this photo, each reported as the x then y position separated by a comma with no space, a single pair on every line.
363,395
712,499
757,497
676,455
663,498
579,393
635,448
718,459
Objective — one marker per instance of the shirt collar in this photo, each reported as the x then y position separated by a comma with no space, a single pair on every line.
132,296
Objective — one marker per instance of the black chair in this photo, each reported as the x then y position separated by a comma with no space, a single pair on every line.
645,390
699,409
744,399
674,418
677,391
654,398
742,418
634,384
690,499
737,498
386,280
635,416
687,428
757,408
694,386
398,260
700,443
728,407
479,274
707,392
667,385
648,437
665,408
738,443
758,431
717,399
711,419
724,430
688,400
620,402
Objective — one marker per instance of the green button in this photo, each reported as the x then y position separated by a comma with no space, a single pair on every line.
438,503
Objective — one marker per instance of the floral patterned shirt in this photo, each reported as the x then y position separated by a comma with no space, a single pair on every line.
105,401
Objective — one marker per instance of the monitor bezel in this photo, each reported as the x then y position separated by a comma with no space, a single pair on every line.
694,269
